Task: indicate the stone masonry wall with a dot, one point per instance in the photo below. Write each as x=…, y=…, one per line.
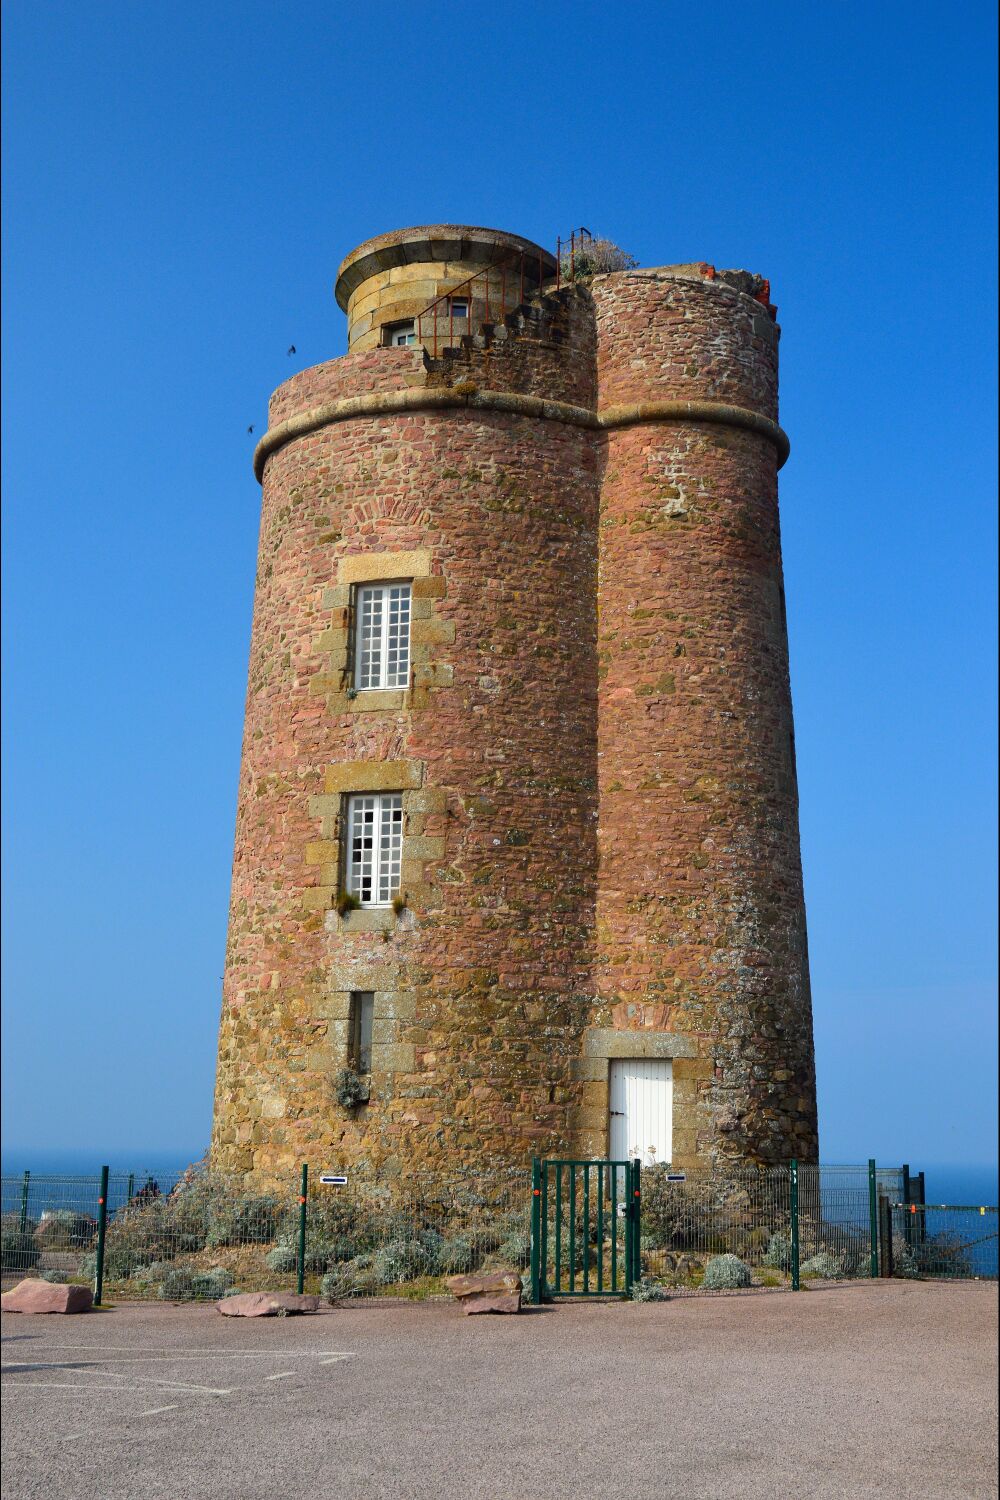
x=595, y=754
x=701, y=922
x=482, y=982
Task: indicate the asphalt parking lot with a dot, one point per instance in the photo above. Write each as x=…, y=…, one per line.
x=881, y=1389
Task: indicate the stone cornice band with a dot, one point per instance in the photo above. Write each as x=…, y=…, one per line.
x=432, y=398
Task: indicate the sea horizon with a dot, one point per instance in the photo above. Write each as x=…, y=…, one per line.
x=960, y=1183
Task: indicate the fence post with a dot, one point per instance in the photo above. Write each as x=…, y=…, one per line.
x=907, y=1223
x=885, y=1229
x=131, y=1186
x=873, y=1214
x=102, y=1229
x=303, y=1210
x=921, y=1198
x=793, y=1179
x=633, y=1220
x=23, y=1226
x=536, y=1231
x=637, y=1199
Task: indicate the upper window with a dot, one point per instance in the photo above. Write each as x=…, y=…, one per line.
x=401, y=334
x=458, y=307
x=374, y=846
x=382, y=628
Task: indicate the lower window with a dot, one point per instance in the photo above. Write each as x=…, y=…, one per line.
x=359, y=1048
x=374, y=846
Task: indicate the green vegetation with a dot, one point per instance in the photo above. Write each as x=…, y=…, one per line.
x=726, y=1273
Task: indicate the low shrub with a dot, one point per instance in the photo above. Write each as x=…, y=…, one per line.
x=824, y=1265
x=726, y=1273
x=57, y=1278
x=515, y=1250
x=596, y=256
x=445, y=1256
x=283, y=1257
x=779, y=1252
x=121, y=1262
x=246, y=1220
x=400, y=1260
x=134, y=1238
x=648, y=1290
x=18, y=1251
x=352, y=1278
x=184, y=1284
x=150, y=1274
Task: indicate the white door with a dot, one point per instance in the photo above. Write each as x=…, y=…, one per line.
x=642, y=1109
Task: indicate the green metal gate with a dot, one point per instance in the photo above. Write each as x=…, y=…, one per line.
x=584, y=1228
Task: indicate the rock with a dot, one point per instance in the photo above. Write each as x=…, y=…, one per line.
x=267, y=1305
x=32, y=1296
x=488, y=1292
x=492, y=1302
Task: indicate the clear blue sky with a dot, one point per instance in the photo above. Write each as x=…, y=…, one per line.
x=181, y=183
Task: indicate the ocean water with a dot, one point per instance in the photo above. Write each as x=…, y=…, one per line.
x=964, y=1185
x=89, y=1163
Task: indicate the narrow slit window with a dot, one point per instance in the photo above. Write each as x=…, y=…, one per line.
x=382, y=632
x=374, y=846
x=360, y=1043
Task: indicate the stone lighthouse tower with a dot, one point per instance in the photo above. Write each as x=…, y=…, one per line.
x=517, y=860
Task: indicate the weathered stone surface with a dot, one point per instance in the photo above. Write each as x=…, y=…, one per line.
x=602, y=840
x=487, y=1292
x=267, y=1305
x=31, y=1296
x=484, y=1281
x=492, y=1302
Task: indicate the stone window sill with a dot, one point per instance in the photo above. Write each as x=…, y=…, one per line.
x=378, y=700
x=369, y=919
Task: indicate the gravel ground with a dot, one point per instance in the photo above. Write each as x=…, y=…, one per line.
x=875, y=1389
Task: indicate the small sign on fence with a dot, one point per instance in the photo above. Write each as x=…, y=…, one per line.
x=677, y=1177
x=332, y=1179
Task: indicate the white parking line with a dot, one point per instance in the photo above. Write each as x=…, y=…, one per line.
x=157, y=1380
x=155, y=1410
x=321, y=1355
x=51, y=1385
x=71, y=1437
x=324, y=1356
x=283, y=1376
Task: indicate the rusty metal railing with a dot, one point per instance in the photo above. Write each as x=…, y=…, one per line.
x=577, y=239
x=481, y=288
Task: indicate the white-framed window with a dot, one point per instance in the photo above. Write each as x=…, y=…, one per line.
x=402, y=334
x=382, y=635
x=374, y=846
x=458, y=307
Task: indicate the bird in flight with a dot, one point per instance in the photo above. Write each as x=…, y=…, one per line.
x=250, y=428
x=291, y=348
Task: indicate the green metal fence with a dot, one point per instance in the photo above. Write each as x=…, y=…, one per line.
x=940, y=1241
x=201, y=1235
x=584, y=1235
x=208, y=1235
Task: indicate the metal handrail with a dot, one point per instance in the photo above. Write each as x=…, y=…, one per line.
x=577, y=239
x=511, y=262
